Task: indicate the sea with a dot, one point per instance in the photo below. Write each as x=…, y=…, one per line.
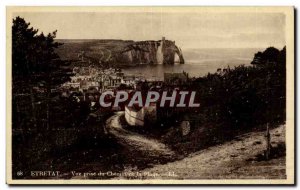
x=198, y=62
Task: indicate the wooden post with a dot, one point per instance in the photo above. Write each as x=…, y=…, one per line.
x=267, y=135
x=268, y=143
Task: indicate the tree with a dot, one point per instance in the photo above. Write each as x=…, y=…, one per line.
x=270, y=55
x=35, y=64
x=246, y=96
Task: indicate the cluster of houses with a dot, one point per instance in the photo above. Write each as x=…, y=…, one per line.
x=89, y=78
x=89, y=83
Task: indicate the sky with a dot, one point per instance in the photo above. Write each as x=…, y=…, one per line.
x=188, y=30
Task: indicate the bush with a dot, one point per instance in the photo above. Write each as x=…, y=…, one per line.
x=246, y=95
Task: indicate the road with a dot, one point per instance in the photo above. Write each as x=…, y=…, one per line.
x=236, y=159
x=135, y=141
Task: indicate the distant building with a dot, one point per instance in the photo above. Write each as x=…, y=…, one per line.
x=114, y=81
x=134, y=116
x=110, y=82
x=72, y=85
x=129, y=80
x=139, y=116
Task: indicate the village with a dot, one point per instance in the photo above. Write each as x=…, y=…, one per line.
x=94, y=85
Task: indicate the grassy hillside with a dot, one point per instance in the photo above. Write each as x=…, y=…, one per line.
x=93, y=51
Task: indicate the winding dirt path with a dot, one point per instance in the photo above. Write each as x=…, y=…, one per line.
x=150, y=146
x=236, y=159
